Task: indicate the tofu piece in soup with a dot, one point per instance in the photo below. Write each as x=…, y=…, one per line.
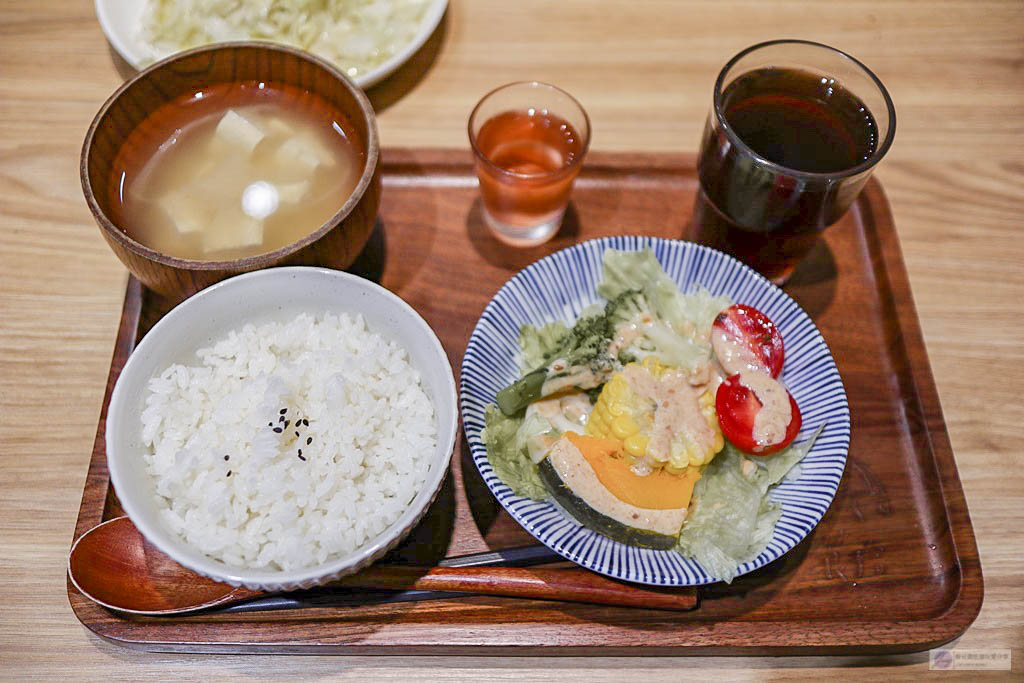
x=230, y=228
x=237, y=131
x=187, y=216
x=293, y=193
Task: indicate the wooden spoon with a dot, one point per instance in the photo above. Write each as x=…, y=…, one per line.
x=113, y=565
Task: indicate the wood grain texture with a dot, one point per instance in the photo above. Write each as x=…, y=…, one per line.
x=114, y=565
x=892, y=567
x=644, y=71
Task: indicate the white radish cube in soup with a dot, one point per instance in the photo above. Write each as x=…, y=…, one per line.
x=277, y=126
x=238, y=131
x=293, y=193
x=187, y=216
x=230, y=228
x=322, y=151
x=297, y=155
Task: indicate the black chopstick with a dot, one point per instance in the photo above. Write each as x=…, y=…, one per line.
x=523, y=556
x=342, y=596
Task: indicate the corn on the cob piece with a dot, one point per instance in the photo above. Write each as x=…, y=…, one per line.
x=629, y=417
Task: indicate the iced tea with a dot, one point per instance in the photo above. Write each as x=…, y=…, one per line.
x=527, y=159
x=785, y=152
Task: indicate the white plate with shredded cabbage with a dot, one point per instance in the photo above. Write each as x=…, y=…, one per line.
x=366, y=39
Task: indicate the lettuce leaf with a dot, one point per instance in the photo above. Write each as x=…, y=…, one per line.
x=775, y=468
x=622, y=270
x=690, y=313
x=508, y=455
x=536, y=342
x=535, y=435
x=732, y=518
x=701, y=308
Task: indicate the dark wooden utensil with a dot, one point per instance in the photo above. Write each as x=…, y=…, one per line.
x=115, y=566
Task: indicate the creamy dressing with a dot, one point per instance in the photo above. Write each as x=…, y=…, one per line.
x=776, y=412
x=676, y=410
x=566, y=413
x=702, y=374
x=733, y=355
x=581, y=377
x=625, y=335
x=538, y=445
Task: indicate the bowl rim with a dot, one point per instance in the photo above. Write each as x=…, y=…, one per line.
x=366, y=554
x=256, y=260
x=431, y=19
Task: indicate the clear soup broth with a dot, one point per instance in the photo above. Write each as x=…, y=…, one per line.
x=234, y=170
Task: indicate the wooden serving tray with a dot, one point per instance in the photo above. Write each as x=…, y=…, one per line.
x=893, y=566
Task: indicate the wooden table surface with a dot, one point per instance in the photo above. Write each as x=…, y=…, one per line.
x=644, y=70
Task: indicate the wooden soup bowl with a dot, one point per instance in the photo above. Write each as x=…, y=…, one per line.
x=334, y=244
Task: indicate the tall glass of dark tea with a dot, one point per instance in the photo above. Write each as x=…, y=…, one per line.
x=794, y=133
x=528, y=141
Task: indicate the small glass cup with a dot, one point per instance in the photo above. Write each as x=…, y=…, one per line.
x=528, y=141
x=795, y=131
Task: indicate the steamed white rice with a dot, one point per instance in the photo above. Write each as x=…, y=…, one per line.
x=364, y=452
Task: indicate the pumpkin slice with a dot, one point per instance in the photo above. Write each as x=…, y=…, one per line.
x=659, y=490
x=574, y=484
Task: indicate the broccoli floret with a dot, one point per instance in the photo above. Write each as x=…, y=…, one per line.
x=631, y=307
x=579, y=359
x=587, y=339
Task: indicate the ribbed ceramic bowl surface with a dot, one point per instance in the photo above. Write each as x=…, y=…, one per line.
x=558, y=287
x=262, y=296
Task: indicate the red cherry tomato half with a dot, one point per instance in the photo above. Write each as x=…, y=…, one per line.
x=742, y=329
x=737, y=406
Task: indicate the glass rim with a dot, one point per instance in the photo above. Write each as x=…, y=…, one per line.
x=529, y=176
x=863, y=166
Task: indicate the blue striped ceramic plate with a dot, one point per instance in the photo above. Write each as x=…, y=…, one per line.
x=558, y=287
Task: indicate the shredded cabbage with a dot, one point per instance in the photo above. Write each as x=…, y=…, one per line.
x=356, y=35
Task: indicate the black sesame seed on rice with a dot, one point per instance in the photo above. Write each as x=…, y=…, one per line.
x=302, y=458
x=227, y=457
x=284, y=410
x=229, y=473
x=278, y=430
x=309, y=440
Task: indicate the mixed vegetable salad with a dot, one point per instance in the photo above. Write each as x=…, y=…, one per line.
x=657, y=419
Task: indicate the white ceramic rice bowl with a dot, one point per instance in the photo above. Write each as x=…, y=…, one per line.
x=257, y=297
